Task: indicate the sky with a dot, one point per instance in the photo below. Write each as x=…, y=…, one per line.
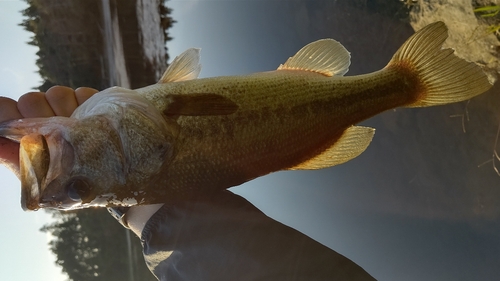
x=25, y=254
x=414, y=206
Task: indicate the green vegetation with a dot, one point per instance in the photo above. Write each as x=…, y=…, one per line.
x=489, y=15
x=90, y=244
x=487, y=11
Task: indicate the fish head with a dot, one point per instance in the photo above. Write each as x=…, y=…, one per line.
x=59, y=168
x=102, y=159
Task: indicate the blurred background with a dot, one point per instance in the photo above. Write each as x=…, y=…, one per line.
x=422, y=203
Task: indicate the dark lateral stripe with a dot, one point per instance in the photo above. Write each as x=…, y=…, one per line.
x=199, y=104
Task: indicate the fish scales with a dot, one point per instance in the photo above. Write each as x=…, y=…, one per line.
x=283, y=119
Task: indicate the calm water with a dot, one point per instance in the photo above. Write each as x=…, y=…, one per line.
x=423, y=202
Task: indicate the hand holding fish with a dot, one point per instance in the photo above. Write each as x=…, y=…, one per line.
x=186, y=136
x=57, y=101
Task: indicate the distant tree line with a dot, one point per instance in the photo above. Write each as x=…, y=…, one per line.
x=69, y=35
x=90, y=244
x=69, y=41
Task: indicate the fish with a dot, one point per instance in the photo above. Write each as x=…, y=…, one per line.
x=189, y=136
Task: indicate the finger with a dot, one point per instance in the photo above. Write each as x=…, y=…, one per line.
x=84, y=93
x=8, y=109
x=9, y=155
x=34, y=105
x=62, y=100
x=9, y=150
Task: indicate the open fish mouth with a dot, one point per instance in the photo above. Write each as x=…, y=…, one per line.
x=34, y=162
x=41, y=161
x=45, y=183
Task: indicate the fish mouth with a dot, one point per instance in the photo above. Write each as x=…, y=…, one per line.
x=44, y=164
x=34, y=161
x=44, y=154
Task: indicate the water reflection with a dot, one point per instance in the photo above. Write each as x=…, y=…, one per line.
x=418, y=204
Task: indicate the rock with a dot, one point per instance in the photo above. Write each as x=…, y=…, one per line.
x=467, y=35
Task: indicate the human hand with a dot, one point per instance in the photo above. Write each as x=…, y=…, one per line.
x=57, y=101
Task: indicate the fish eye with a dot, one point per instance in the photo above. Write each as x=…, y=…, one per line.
x=78, y=190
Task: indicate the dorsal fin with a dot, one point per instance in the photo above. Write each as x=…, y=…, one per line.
x=350, y=145
x=325, y=56
x=185, y=66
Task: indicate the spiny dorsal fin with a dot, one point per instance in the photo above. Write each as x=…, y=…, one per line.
x=185, y=66
x=351, y=144
x=325, y=56
x=199, y=104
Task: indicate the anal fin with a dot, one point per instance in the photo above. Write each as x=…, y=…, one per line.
x=351, y=144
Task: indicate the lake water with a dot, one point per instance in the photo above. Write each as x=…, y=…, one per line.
x=423, y=202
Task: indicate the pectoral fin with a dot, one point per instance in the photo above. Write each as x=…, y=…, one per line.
x=184, y=67
x=326, y=56
x=351, y=144
x=199, y=104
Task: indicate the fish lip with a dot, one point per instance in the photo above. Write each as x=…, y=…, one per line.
x=34, y=160
x=28, y=202
x=44, y=154
x=30, y=198
x=42, y=162
x=53, y=204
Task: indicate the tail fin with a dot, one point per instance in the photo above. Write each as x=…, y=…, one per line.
x=444, y=77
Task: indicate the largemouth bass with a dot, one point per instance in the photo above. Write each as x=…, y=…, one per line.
x=186, y=136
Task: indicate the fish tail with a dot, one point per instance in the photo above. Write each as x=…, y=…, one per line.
x=441, y=77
